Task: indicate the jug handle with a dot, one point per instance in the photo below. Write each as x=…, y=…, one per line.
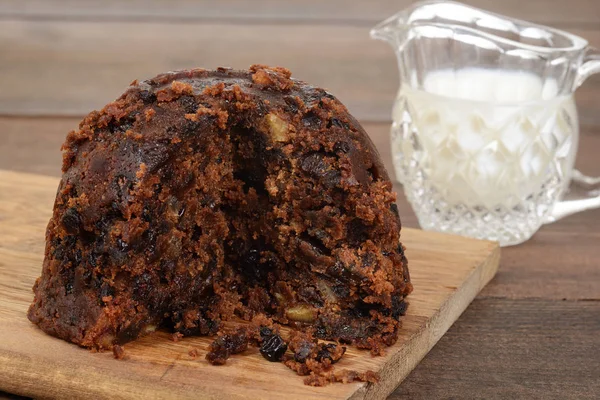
x=584, y=190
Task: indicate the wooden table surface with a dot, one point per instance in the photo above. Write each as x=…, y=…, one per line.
x=534, y=331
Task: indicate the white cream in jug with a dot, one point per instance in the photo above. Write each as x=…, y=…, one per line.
x=486, y=137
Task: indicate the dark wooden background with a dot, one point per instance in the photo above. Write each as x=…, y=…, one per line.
x=534, y=332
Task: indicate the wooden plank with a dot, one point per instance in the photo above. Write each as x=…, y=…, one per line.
x=86, y=65
x=91, y=64
x=447, y=271
x=33, y=144
x=561, y=13
x=560, y=261
x=513, y=349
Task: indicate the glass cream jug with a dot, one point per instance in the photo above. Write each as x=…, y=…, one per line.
x=485, y=129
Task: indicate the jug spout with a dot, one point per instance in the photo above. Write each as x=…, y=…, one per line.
x=393, y=30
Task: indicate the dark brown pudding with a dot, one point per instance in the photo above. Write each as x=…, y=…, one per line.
x=199, y=195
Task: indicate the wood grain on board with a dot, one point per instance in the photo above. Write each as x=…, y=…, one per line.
x=448, y=272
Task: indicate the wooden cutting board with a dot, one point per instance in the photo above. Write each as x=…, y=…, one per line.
x=447, y=273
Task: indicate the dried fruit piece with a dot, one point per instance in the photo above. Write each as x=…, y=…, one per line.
x=71, y=221
x=278, y=128
x=301, y=313
x=226, y=345
x=326, y=291
x=305, y=348
x=265, y=332
x=330, y=351
x=303, y=351
x=273, y=347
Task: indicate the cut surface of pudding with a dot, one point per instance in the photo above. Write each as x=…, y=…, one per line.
x=199, y=195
